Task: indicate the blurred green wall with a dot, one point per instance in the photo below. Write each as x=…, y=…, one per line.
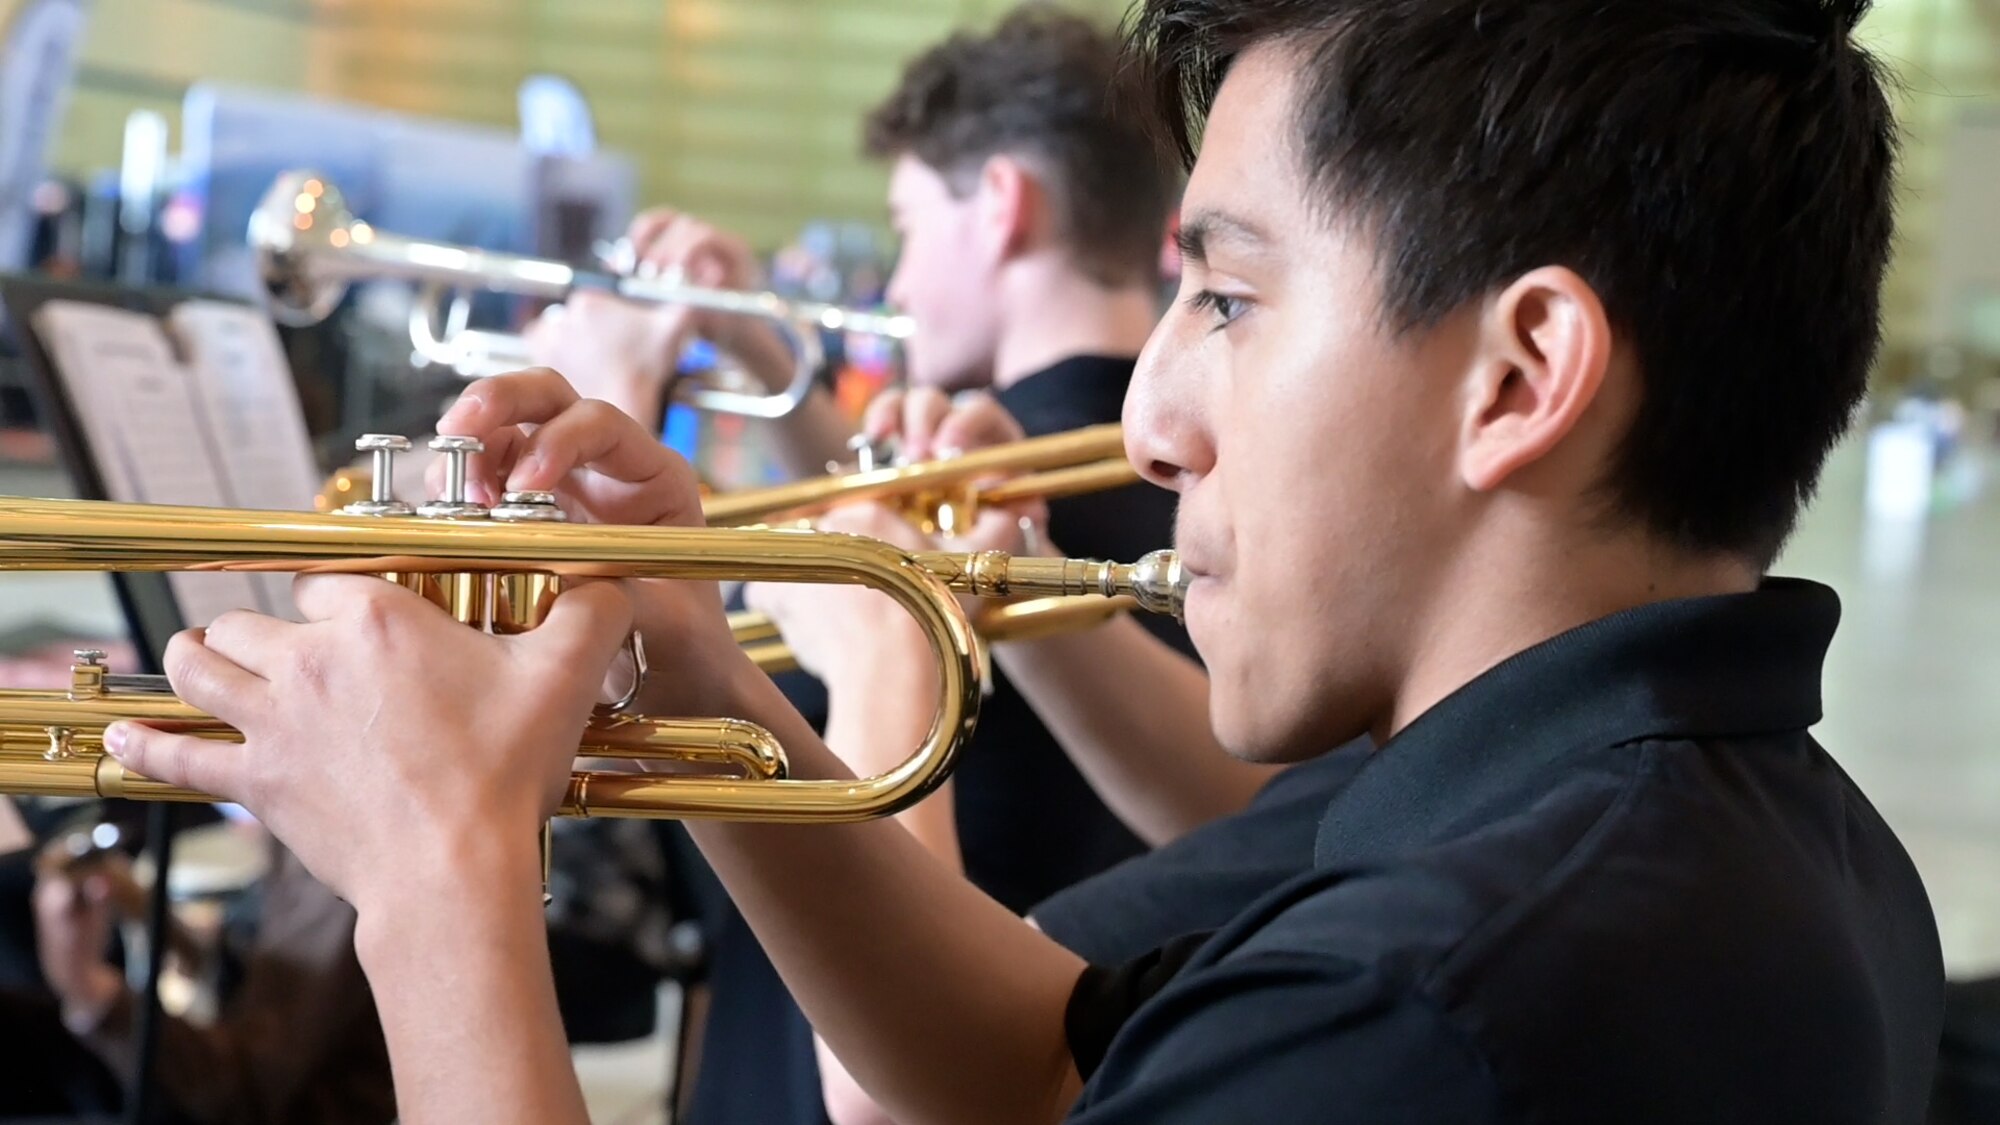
x=747, y=110
x=744, y=110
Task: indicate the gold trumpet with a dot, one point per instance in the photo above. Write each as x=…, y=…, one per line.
x=939, y=496
x=944, y=496
x=936, y=496
x=1016, y=621
x=310, y=247
x=500, y=570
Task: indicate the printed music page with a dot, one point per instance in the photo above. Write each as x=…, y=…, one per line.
x=140, y=412
x=244, y=385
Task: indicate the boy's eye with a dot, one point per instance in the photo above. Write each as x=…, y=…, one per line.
x=1223, y=307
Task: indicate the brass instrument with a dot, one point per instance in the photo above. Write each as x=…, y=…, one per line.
x=310, y=247
x=936, y=496
x=500, y=569
x=939, y=496
x=1013, y=621
x=943, y=496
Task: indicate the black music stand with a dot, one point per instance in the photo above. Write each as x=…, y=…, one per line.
x=151, y=612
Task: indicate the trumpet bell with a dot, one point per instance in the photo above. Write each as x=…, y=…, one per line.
x=296, y=232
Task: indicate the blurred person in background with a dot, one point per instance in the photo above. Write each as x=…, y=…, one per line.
x=295, y=1040
x=1031, y=220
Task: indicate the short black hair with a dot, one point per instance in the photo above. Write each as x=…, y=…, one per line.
x=1040, y=85
x=1720, y=171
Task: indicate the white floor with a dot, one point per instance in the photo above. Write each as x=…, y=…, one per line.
x=624, y=1083
x=1913, y=711
x=1913, y=686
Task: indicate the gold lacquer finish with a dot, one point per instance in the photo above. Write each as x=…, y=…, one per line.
x=940, y=496
x=1028, y=620
x=1081, y=461
x=51, y=742
x=1044, y=468
x=1068, y=464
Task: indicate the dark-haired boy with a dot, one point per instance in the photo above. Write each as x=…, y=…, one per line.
x=1516, y=333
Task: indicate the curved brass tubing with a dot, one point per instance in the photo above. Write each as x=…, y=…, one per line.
x=310, y=248
x=51, y=742
x=1066, y=464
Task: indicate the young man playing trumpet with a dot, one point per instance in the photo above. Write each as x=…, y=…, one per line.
x=1129, y=712
x=1031, y=219
x=1515, y=334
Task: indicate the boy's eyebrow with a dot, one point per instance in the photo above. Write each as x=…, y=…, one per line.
x=1211, y=227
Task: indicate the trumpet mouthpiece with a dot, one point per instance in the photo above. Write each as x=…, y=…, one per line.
x=1158, y=582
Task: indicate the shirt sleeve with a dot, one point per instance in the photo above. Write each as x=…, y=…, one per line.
x=1105, y=998
x=1286, y=1037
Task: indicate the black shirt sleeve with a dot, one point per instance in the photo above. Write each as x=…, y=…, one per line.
x=1273, y=1036
x=1105, y=998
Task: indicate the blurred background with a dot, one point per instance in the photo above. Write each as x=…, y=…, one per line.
x=745, y=110
x=541, y=126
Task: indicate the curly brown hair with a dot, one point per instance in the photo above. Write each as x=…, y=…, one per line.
x=1041, y=87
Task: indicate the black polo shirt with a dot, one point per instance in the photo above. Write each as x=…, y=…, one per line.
x=1197, y=883
x=1028, y=823
x=1614, y=879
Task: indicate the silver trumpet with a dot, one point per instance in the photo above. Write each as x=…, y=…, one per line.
x=310, y=247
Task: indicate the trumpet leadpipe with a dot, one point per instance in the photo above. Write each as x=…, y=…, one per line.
x=1056, y=596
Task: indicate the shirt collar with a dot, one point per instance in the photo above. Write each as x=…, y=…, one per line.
x=1099, y=382
x=1734, y=665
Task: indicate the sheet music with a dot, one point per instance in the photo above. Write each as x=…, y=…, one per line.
x=241, y=373
x=162, y=432
x=245, y=387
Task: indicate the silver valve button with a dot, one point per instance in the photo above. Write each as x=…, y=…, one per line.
x=453, y=504
x=529, y=507
x=869, y=454
x=381, y=501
